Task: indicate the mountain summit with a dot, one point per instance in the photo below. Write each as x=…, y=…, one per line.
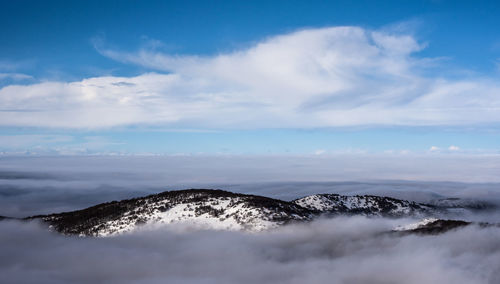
x=212, y=209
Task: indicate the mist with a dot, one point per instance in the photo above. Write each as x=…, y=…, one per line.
x=42, y=185
x=339, y=250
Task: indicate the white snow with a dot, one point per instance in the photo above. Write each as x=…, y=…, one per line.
x=416, y=225
x=372, y=204
x=235, y=215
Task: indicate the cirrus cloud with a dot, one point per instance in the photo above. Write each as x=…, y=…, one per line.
x=326, y=77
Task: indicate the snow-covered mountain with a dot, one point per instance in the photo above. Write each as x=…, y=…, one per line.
x=213, y=209
x=364, y=204
x=433, y=226
x=223, y=210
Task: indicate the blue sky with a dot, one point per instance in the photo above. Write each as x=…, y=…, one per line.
x=250, y=77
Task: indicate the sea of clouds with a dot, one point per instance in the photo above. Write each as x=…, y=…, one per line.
x=339, y=250
x=41, y=185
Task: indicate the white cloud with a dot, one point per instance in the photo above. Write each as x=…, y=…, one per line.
x=319, y=152
x=340, y=76
x=335, y=250
x=453, y=148
x=434, y=149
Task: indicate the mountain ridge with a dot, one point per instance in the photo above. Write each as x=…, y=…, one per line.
x=225, y=210
x=201, y=206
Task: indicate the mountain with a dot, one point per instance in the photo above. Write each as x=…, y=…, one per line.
x=223, y=210
x=368, y=205
x=433, y=226
x=214, y=209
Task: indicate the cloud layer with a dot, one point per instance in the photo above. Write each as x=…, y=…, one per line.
x=339, y=76
x=341, y=250
x=43, y=185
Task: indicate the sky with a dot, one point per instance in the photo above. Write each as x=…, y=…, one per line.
x=106, y=100
x=249, y=77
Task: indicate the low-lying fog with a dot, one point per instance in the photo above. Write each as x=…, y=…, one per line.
x=339, y=250
x=41, y=185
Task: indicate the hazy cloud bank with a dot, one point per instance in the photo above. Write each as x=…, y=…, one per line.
x=36, y=185
x=342, y=250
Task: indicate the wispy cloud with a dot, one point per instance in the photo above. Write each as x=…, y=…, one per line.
x=31, y=140
x=15, y=76
x=12, y=66
x=340, y=76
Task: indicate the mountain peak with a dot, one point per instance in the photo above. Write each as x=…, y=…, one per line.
x=215, y=209
x=363, y=204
